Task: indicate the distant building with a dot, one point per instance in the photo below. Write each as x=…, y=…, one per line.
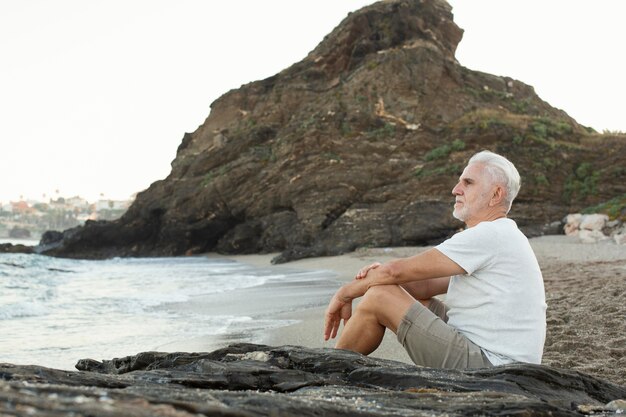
x=77, y=203
x=21, y=207
x=58, y=204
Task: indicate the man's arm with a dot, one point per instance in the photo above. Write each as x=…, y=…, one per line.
x=424, y=266
x=428, y=288
x=420, y=290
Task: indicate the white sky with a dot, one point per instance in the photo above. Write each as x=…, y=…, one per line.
x=95, y=96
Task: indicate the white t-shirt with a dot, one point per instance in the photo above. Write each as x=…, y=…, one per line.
x=500, y=304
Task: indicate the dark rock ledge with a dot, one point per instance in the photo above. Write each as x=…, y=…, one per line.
x=19, y=248
x=258, y=380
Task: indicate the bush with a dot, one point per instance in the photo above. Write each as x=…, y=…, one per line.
x=615, y=208
x=582, y=183
x=444, y=150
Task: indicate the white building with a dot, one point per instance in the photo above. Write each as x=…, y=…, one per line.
x=77, y=203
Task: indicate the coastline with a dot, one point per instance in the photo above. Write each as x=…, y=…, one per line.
x=585, y=285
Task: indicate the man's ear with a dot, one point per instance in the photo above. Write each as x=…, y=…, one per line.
x=497, y=196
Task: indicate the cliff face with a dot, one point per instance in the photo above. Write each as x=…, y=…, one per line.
x=358, y=144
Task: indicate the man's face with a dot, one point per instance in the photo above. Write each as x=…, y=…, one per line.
x=472, y=193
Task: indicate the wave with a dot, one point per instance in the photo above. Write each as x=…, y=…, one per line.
x=21, y=310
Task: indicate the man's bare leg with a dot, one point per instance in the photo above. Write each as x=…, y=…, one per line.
x=382, y=307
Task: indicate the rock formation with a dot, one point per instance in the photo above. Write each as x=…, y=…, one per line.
x=19, y=248
x=358, y=144
x=258, y=380
x=593, y=228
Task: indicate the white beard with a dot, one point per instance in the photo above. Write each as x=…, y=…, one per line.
x=461, y=213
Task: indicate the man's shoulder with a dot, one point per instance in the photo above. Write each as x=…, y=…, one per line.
x=502, y=225
x=487, y=233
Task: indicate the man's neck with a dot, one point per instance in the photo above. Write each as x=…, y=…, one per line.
x=488, y=218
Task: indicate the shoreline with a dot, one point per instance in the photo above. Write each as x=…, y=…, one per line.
x=579, y=277
x=309, y=322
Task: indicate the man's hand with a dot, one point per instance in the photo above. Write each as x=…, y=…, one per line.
x=338, y=308
x=363, y=272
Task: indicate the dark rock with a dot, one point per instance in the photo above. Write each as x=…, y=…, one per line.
x=359, y=144
x=50, y=240
x=11, y=248
x=51, y=236
x=258, y=380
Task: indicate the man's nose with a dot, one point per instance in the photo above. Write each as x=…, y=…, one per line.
x=456, y=190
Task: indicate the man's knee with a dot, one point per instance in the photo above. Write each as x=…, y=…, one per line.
x=388, y=303
x=381, y=297
x=380, y=293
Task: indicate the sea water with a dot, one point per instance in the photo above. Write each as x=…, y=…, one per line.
x=55, y=311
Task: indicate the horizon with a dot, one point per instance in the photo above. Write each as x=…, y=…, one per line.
x=96, y=101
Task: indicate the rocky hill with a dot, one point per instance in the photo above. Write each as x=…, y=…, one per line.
x=359, y=144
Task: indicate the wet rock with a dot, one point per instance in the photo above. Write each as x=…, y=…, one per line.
x=11, y=248
x=50, y=237
x=50, y=240
x=259, y=380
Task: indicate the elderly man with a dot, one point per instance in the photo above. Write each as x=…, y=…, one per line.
x=494, y=311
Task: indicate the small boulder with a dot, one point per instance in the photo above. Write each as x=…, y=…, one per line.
x=572, y=223
x=593, y=222
x=591, y=236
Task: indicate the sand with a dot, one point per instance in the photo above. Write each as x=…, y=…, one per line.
x=585, y=291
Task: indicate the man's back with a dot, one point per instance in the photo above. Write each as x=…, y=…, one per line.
x=500, y=304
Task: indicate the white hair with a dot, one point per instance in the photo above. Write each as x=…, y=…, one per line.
x=502, y=171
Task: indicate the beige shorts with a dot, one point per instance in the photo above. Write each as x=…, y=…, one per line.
x=431, y=342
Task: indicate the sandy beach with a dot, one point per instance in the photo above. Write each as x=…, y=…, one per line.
x=585, y=291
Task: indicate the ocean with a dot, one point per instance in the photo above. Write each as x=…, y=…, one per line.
x=55, y=311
